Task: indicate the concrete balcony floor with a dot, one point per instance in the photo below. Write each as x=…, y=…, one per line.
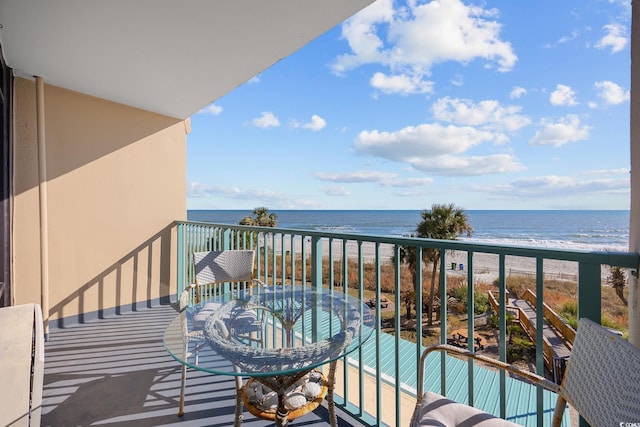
x=116, y=372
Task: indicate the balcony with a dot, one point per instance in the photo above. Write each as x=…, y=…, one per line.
x=115, y=371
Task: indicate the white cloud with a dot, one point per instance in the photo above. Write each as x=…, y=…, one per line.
x=423, y=141
x=437, y=149
x=609, y=172
x=356, y=177
x=316, y=123
x=457, y=80
x=564, y=39
x=614, y=39
x=469, y=166
x=567, y=129
x=411, y=40
x=401, y=84
x=385, y=179
x=517, y=92
x=563, y=186
x=409, y=182
x=488, y=113
x=563, y=96
x=588, y=189
x=360, y=33
x=574, y=35
x=611, y=93
x=337, y=191
x=266, y=120
x=212, y=109
x=414, y=193
x=195, y=189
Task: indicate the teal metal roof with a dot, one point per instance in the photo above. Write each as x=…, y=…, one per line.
x=521, y=401
x=521, y=396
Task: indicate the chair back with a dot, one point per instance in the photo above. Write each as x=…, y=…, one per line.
x=602, y=379
x=223, y=266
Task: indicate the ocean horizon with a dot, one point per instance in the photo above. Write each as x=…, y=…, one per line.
x=566, y=229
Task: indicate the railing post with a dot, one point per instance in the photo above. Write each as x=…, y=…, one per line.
x=634, y=143
x=502, y=342
x=589, y=291
x=540, y=334
x=316, y=262
x=470, y=324
x=418, y=290
x=443, y=322
x=316, y=280
x=226, y=245
x=180, y=260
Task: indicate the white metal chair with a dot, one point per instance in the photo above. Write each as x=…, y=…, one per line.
x=601, y=382
x=236, y=266
x=213, y=268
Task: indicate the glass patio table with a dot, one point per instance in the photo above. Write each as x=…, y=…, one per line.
x=279, y=336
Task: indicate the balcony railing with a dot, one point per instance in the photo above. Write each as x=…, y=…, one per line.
x=377, y=384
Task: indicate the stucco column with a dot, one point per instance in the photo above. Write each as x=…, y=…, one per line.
x=42, y=193
x=634, y=225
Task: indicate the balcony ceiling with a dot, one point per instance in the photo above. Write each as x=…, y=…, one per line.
x=171, y=57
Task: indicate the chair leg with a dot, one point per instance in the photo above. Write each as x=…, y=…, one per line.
x=333, y=419
x=558, y=412
x=183, y=380
x=239, y=405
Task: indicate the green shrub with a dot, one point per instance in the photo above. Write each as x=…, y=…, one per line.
x=522, y=342
x=494, y=322
x=608, y=322
x=480, y=299
x=480, y=303
x=569, y=312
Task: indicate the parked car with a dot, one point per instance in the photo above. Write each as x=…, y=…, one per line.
x=384, y=302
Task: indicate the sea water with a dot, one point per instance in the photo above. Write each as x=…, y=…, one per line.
x=569, y=229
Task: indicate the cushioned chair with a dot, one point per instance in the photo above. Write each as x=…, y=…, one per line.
x=601, y=382
x=212, y=269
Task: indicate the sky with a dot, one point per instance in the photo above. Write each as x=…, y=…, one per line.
x=484, y=104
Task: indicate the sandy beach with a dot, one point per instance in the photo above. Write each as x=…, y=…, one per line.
x=485, y=266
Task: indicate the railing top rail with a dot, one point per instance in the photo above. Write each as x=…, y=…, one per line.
x=621, y=259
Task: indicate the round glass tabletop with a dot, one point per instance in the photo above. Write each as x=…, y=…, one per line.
x=274, y=331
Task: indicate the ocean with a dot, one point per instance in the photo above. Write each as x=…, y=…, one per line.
x=567, y=229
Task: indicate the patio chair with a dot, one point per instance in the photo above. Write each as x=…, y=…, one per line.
x=601, y=382
x=214, y=268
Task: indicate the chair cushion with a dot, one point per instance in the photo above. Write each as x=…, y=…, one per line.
x=436, y=410
x=244, y=317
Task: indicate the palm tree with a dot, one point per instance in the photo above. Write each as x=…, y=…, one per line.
x=261, y=217
x=443, y=222
x=409, y=299
x=408, y=256
x=617, y=281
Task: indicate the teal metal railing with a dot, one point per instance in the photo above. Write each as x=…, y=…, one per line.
x=387, y=361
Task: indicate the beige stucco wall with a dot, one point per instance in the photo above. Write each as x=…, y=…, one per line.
x=115, y=182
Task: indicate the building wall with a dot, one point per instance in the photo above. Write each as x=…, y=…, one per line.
x=115, y=183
